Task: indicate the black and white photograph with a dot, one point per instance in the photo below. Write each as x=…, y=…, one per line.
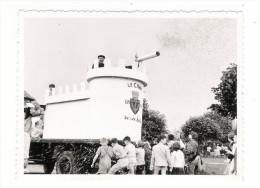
x=137, y=96
x=129, y=94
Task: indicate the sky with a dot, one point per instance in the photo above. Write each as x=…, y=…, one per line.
x=194, y=52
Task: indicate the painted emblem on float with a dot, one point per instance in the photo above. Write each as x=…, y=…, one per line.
x=134, y=102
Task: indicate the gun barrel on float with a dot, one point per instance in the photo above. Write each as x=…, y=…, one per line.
x=146, y=57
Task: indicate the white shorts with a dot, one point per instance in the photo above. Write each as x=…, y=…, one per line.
x=121, y=163
x=131, y=162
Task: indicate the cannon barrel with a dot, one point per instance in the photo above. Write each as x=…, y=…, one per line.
x=149, y=56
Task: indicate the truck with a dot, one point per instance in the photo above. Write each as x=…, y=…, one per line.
x=75, y=120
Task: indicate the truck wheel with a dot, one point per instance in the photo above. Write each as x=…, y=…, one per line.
x=66, y=163
x=48, y=167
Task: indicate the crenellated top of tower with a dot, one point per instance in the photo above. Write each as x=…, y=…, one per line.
x=122, y=69
x=67, y=93
x=78, y=91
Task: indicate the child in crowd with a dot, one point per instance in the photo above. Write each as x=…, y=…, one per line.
x=37, y=130
x=140, y=153
x=177, y=157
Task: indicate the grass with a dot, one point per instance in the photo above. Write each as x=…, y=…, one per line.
x=214, y=165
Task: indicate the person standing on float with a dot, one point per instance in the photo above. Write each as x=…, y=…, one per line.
x=101, y=59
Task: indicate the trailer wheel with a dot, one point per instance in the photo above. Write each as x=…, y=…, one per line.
x=66, y=163
x=48, y=167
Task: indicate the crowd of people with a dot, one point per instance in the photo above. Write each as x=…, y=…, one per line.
x=168, y=156
x=214, y=150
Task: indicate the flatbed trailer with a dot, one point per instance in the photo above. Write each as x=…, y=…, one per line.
x=71, y=156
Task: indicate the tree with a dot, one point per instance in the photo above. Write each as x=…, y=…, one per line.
x=205, y=128
x=210, y=126
x=154, y=123
x=226, y=93
x=224, y=124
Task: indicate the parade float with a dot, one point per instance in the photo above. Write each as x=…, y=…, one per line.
x=76, y=117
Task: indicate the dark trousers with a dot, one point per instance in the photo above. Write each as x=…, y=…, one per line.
x=147, y=169
x=139, y=169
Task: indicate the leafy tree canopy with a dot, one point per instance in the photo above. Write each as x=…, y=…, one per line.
x=210, y=126
x=154, y=123
x=226, y=93
x=224, y=124
x=205, y=127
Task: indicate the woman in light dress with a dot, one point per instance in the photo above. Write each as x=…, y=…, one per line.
x=104, y=153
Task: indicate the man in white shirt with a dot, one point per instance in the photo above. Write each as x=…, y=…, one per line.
x=120, y=154
x=161, y=157
x=131, y=154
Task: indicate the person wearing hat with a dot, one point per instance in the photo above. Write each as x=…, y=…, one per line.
x=101, y=59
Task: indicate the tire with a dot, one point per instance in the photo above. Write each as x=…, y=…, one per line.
x=66, y=163
x=48, y=167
